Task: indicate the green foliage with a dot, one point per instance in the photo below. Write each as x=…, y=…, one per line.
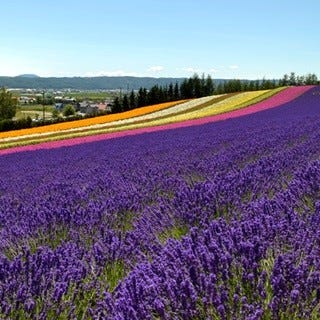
x=45, y=100
x=132, y=100
x=51, y=237
x=82, y=296
x=296, y=80
x=90, y=95
x=69, y=110
x=116, y=108
x=124, y=221
x=8, y=104
x=189, y=88
x=175, y=232
x=125, y=103
x=6, y=125
x=23, y=123
x=9, y=124
x=35, y=107
x=142, y=97
x=55, y=113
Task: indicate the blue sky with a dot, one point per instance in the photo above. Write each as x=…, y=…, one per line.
x=160, y=38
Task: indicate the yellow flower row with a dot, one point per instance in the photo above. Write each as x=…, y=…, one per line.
x=226, y=105
x=90, y=121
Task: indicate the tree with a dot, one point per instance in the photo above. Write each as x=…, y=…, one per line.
x=292, y=79
x=220, y=88
x=69, y=110
x=266, y=84
x=251, y=86
x=209, y=86
x=257, y=85
x=196, y=86
x=132, y=100
x=170, y=92
x=233, y=85
x=125, y=103
x=311, y=78
x=55, y=113
x=245, y=86
x=285, y=80
x=116, y=106
x=142, y=97
x=8, y=104
x=153, y=95
x=176, y=92
x=186, y=89
x=23, y=123
x=163, y=94
x=300, y=80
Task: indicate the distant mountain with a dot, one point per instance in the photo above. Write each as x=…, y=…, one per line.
x=85, y=83
x=28, y=75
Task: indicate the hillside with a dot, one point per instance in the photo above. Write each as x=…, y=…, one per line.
x=85, y=83
x=27, y=81
x=210, y=218
x=154, y=117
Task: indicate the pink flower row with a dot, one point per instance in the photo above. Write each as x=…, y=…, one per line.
x=281, y=98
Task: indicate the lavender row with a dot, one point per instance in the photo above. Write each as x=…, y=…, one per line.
x=218, y=220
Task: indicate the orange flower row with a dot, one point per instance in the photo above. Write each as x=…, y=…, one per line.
x=90, y=121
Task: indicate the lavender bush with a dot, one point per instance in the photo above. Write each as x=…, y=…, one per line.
x=218, y=221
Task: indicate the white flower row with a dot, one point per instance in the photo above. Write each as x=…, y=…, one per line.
x=165, y=112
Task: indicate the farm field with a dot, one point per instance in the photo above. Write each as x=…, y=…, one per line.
x=151, y=116
x=88, y=122
x=209, y=218
x=33, y=111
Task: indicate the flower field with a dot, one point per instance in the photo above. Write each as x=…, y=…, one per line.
x=161, y=114
x=208, y=220
x=270, y=99
x=90, y=121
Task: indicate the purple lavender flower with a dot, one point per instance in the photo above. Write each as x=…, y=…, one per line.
x=213, y=220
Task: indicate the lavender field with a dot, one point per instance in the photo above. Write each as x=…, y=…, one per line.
x=215, y=221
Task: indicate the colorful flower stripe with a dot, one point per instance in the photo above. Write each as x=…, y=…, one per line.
x=195, y=106
x=148, y=116
x=217, y=108
x=90, y=121
x=282, y=97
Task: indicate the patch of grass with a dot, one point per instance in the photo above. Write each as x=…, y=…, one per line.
x=192, y=178
x=124, y=221
x=175, y=232
x=51, y=238
x=75, y=303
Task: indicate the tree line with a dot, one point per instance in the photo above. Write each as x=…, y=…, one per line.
x=194, y=87
x=197, y=87
x=299, y=80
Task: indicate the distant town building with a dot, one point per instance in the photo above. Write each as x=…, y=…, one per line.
x=27, y=100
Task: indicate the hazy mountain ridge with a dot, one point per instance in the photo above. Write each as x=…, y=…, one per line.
x=124, y=83
x=85, y=83
x=28, y=75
